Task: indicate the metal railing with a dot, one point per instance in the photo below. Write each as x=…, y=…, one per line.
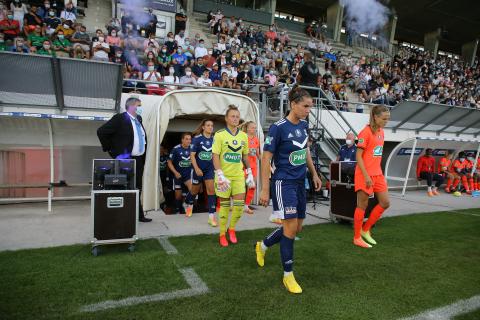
x=60, y=83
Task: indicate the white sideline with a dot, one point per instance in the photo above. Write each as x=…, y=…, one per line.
x=167, y=246
x=450, y=311
x=197, y=287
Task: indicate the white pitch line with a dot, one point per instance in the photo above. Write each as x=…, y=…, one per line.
x=197, y=287
x=450, y=311
x=167, y=245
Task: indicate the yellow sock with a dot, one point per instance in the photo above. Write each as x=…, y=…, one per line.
x=223, y=216
x=237, y=211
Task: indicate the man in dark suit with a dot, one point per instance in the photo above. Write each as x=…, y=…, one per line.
x=123, y=137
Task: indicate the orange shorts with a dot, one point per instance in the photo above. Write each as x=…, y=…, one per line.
x=379, y=184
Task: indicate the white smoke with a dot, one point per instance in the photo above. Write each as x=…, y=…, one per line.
x=136, y=9
x=365, y=16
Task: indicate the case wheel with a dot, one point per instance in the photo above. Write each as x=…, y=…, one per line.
x=95, y=251
x=131, y=247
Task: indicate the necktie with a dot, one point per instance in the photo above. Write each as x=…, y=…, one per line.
x=141, y=138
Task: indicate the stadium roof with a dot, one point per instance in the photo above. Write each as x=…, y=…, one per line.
x=459, y=19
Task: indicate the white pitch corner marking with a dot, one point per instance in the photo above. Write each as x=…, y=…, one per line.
x=450, y=311
x=167, y=245
x=197, y=287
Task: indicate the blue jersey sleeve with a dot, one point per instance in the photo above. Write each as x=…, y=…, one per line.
x=272, y=139
x=194, y=145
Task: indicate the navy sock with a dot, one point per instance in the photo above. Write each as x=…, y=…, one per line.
x=189, y=198
x=286, y=253
x=273, y=237
x=178, y=205
x=212, y=204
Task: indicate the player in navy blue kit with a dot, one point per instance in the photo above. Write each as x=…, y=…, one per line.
x=180, y=165
x=202, y=169
x=286, y=146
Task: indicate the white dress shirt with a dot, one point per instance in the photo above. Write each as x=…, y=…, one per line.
x=136, y=141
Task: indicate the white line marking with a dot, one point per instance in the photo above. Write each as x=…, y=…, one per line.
x=450, y=311
x=197, y=287
x=167, y=246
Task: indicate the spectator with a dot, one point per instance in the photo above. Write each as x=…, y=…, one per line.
x=180, y=38
x=271, y=78
x=179, y=60
x=189, y=50
x=200, y=50
x=62, y=45
x=10, y=27
x=271, y=34
x=113, y=40
x=3, y=46
x=113, y=24
x=199, y=68
x=151, y=44
x=180, y=21
x=36, y=38
x=68, y=13
x=171, y=78
x=20, y=46
x=31, y=20
x=66, y=28
x=309, y=75
x=170, y=43
x=188, y=78
x=44, y=9
x=118, y=57
x=152, y=75
x=19, y=10
x=100, y=49
x=215, y=75
x=151, y=28
x=225, y=81
x=164, y=60
x=81, y=43
x=204, y=80
x=284, y=38
x=46, y=49
x=52, y=22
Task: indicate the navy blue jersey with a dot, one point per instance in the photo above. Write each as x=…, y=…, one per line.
x=163, y=163
x=181, y=160
x=202, y=146
x=347, y=154
x=288, y=144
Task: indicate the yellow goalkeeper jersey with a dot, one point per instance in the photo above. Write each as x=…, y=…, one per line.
x=230, y=149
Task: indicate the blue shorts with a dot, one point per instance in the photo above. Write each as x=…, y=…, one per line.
x=180, y=183
x=208, y=174
x=289, y=198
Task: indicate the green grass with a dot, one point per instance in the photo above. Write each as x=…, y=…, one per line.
x=422, y=261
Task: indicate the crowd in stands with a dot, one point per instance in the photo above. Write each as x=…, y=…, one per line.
x=243, y=56
x=414, y=75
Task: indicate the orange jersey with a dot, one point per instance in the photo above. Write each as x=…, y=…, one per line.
x=253, y=147
x=457, y=166
x=444, y=165
x=372, y=145
x=478, y=164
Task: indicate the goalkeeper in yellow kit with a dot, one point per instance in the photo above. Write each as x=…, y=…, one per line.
x=230, y=157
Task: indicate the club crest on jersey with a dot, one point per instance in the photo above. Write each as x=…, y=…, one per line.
x=361, y=140
x=377, y=152
x=297, y=158
x=235, y=142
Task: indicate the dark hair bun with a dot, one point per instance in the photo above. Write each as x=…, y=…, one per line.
x=297, y=94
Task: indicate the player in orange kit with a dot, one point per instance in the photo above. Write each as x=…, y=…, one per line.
x=444, y=169
x=253, y=155
x=459, y=169
x=369, y=177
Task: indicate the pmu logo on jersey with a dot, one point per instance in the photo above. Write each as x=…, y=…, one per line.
x=299, y=157
x=185, y=162
x=377, y=152
x=205, y=156
x=232, y=157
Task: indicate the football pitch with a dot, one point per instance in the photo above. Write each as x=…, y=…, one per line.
x=422, y=262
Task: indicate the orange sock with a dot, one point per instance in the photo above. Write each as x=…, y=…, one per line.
x=374, y=216
x=357, y=222
x=465, y=183
x=455, y=183
x=472, y=185
x=449, y=183
x=249, y=196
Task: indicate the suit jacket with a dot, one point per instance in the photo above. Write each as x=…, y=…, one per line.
x=116, y=135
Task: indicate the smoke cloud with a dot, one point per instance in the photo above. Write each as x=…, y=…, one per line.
x=365, y=16
x=136, y=10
